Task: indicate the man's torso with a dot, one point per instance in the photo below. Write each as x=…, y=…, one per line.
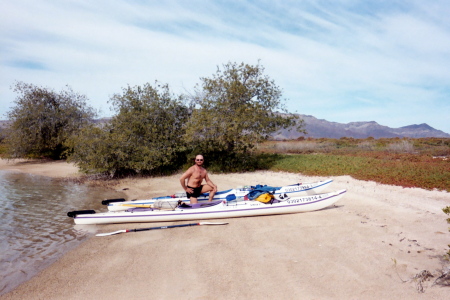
x=198, y=174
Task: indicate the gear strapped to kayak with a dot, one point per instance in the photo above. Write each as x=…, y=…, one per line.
x=265, y=198
x=262, y=193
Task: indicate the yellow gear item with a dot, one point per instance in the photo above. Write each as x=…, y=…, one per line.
x=264, y=198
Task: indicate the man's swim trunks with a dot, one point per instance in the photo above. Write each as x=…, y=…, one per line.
x=197, y=192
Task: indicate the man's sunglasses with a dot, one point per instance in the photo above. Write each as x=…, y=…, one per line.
x=199, y=160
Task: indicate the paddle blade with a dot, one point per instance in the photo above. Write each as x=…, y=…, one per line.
x=111, y=233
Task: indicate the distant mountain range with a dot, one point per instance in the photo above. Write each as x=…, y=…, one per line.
x=318, y=128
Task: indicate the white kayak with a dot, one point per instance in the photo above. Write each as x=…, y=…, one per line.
x=210, y=210
x=294, y=190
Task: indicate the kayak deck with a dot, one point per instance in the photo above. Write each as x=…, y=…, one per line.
x=284, y=192
x=213, y=210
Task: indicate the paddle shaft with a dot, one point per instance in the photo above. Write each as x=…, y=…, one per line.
x=161, y=227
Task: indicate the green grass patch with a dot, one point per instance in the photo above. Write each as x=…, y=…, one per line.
x=422, y=162
x=406, y=171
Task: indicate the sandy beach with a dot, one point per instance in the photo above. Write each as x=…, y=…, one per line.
x=370, y=245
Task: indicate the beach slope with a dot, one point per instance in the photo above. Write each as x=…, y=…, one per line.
x=370, y=245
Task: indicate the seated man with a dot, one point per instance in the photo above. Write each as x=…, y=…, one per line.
x=195, y=176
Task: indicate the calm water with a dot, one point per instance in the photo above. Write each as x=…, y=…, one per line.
x=35, y=230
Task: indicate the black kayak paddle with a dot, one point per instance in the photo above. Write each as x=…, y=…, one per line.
x=160, y=227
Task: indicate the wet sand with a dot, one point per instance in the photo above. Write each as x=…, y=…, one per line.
x=370, y=245
x=56, y=169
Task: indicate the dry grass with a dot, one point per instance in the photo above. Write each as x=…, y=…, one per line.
x=403, y=146
x=422, y=146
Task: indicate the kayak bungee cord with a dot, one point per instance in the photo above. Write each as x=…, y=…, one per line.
x=159, y=227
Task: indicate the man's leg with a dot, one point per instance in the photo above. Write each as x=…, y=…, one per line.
x=194, y=195
x=212, y=191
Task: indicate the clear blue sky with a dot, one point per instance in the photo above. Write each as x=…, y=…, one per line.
x=343, y=61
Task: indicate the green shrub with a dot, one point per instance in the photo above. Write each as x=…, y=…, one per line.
x=234, y=110
x=145, y=137
x=42, y=120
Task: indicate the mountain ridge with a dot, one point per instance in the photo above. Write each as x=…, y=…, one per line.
x=321, y=128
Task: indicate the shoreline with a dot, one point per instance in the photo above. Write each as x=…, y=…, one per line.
x=369, y=245
x=49, y=168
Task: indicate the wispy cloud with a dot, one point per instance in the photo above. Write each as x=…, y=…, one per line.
x=343, y=60
x=27, y=65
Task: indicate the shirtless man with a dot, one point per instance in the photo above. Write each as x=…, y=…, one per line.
x=195, y=176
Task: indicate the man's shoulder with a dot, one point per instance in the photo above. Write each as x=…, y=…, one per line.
x=197, y=168
x=190, y=170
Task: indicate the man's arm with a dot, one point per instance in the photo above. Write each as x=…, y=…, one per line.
x=183, y=178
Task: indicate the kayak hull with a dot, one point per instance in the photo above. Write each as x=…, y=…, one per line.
x=294, y=190
x=214, y=210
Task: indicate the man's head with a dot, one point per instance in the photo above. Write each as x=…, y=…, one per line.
x=199, y=160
